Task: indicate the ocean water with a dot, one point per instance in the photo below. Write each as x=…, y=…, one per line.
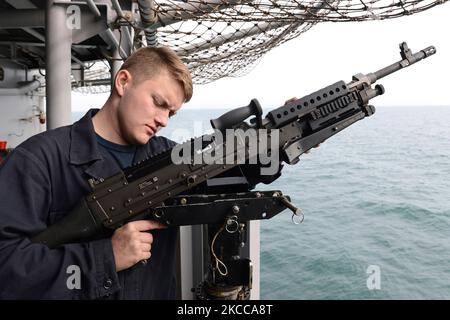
x=375, y=196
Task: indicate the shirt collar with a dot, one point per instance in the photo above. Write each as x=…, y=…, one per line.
x=83, y=143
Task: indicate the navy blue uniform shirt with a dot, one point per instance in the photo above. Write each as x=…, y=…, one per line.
x=40, y=182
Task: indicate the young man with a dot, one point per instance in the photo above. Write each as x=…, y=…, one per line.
x=46, y=176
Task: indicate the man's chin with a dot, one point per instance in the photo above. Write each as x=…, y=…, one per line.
x=140, y=141
x=144, y=141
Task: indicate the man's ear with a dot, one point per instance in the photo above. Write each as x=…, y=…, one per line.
x=122, y=82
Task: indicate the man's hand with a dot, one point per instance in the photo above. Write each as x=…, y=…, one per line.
x=292, y=100
x=132, y=244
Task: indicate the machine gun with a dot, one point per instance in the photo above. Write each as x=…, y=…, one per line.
x=179, y=187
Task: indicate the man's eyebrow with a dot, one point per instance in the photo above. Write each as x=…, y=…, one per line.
x=163, y=101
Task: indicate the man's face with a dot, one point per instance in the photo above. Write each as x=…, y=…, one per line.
x=145, y=107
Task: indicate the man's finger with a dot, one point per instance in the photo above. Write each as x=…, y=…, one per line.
x=146, y=237
x=146, y=247
x=144, y=225
x=309, y=150
x=291, y=100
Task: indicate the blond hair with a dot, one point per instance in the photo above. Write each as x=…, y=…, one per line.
x=147, y=62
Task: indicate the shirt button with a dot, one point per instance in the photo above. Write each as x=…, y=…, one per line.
x=107, y=284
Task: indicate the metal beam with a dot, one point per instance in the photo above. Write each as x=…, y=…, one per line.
x=41, y=44
x=39, y=36
x=115, y=65
x=34, y=33
x=107, y=35
x=25, y=4
x=21, y=4
x=58, y=66
x=126, y=30
x=148, y=19
x=15, y=19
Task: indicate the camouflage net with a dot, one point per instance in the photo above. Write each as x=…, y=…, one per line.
x=219, y=38
x=227, y=38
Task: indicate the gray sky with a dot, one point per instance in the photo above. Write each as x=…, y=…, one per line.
x=330, y=52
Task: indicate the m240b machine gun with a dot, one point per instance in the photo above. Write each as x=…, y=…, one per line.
x=176, y=189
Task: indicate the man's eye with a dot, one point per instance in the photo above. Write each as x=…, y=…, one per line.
x=157, y=102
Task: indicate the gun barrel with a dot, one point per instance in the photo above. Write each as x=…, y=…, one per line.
x=408, y=59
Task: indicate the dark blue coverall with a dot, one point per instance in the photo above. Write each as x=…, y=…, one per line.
x=40, y=182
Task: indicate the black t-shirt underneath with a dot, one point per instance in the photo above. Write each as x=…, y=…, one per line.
x=123, y=154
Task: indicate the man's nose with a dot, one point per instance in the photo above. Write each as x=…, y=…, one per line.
x=162, y=118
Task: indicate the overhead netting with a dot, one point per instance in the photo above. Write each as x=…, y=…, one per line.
x=219, y=38
x=227, y=38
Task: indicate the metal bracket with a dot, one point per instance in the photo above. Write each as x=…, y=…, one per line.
x=215, y=209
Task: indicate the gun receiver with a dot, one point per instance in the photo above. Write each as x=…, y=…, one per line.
x=149, y=187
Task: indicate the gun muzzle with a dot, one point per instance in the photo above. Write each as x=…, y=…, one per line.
x=429, y=51
x=408, y=59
